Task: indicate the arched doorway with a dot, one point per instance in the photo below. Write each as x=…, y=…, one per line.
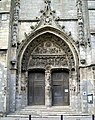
x=50, y=88
x=54, y=59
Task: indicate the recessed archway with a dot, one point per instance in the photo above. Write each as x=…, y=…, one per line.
x=48, y=51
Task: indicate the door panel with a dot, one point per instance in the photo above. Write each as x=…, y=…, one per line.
x=36, y=88
x=60, y=86
x=39, y=95
x=57, y=95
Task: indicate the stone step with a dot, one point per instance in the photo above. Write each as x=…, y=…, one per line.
x=44, y=112
x=47, y=109
x=25, y=115
x=50, y=109
x=44, y=107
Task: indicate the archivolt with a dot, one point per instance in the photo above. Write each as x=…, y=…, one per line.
x=40, y=36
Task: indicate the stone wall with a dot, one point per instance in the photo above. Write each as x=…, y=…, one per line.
x=3, y=80
x=91, y=9
x=91, y=77
x=66, y=11
x=4, y=38
x=4, y=30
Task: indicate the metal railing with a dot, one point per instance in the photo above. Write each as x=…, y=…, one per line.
x=93, y=117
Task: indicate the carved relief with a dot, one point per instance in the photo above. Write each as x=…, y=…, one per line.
x=48, y=54
x=48, y=60
x=47, y=49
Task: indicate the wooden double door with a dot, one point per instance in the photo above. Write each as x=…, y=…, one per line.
x=59, y=85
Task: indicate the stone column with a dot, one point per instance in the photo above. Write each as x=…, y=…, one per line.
x=48, y=91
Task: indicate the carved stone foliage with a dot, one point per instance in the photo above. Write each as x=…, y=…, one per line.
x=82, y=42
x=47, y=49
x=80, y=22
x=15, y=23
x=14, y=33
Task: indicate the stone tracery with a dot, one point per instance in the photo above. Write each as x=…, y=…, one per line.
x=47, y=49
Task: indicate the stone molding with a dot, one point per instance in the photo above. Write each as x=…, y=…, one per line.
x=82, y=42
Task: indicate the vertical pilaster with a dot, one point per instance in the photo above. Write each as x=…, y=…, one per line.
x=13, y=52
x=12, y=89
x=48, y=94
x=77, y=92
x=82, y=43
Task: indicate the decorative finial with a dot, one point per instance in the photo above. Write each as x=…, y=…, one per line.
x=48, y=2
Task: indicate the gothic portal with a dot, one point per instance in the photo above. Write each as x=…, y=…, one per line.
x=48, y=64
x=48, y=71
x=47, y=55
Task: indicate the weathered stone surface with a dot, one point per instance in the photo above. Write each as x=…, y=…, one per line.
x=5, y=5
x=3, y=82
x=36, y=34
x=4, y=31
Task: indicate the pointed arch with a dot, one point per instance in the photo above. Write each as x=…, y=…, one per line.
x=53, y=51
x=38, y=36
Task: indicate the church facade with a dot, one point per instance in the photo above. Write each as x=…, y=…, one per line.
x=47, y=55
